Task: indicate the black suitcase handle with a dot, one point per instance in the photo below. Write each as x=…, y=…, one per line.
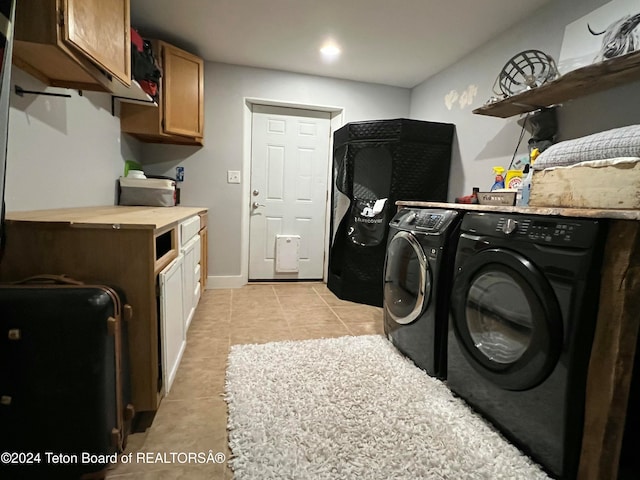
x=48, y=279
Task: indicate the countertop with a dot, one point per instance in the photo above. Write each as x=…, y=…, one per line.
x=111, y=216
x=562, y=212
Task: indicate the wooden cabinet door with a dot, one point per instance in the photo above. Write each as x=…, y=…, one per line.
x=183, y=92
x=101, y=30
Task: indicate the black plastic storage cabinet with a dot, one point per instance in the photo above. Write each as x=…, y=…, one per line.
x=375, y=164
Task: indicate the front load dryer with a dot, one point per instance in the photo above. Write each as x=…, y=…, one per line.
x=523, y=313
x=417, y=277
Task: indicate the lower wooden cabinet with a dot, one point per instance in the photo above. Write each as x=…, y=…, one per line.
x=102, y=244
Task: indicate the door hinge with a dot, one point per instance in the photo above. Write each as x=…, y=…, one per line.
x=61, y=17
x=162, y=124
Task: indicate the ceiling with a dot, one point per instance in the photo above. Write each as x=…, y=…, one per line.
x=391, y=42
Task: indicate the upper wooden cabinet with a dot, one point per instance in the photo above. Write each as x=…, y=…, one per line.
x=83, y=44
x=180, y=116
x=183, y=92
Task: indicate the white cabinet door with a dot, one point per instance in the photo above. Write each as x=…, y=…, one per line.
x=172, y=320
x=190, y=284
x=197, y=288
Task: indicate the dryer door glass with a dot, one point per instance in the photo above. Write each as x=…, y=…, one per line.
x=499, y=317
x=506, y=319
x=407, y=279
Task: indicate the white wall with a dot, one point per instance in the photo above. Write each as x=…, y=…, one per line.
x=226, y=87
x=483, y=142
x=63, y=152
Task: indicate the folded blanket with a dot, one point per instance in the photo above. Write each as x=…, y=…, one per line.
x=607, y=162
x=615, y=143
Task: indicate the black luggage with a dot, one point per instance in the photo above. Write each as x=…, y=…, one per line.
x=64, y=380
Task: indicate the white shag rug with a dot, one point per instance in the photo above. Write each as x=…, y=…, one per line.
x=354, y=408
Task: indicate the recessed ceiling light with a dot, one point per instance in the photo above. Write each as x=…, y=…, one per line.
x=330, y=50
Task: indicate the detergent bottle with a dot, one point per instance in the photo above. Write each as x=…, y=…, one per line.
x=513, y=179
x=523, y=199
x=499, y=181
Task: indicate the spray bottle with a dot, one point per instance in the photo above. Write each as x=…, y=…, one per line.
x=528, y=175
x=499, y=180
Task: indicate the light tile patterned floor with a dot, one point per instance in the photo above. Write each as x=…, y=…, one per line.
x=193, y=417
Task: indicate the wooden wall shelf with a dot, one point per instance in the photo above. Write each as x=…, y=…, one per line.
x=575, y=84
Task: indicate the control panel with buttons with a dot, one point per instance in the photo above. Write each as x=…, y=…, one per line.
x=429, y=221
x=424, y=220
x=556, y=232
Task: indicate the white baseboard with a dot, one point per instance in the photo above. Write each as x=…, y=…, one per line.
x=232, y=281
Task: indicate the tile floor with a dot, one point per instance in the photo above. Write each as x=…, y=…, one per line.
x=193, y=417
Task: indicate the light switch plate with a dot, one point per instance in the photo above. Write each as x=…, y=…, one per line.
x=233, y=176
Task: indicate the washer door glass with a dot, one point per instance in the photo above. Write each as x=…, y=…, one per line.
x=506, y=319
x=407, y=279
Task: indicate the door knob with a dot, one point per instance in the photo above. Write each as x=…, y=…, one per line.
x=256, y=205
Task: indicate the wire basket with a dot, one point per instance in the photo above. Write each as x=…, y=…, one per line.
x=524, y=71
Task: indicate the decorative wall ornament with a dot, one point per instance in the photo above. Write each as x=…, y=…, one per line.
x=584, y=42
x=464, y=99
x=620, y=38
x=524, y=71
x=450, y=98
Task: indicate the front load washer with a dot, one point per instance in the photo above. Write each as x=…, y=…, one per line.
x=523, y=313
x=417, y=275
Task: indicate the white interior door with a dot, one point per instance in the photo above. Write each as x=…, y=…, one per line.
x=289, y=170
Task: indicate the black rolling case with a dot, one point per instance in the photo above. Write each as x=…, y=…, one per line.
x=65, y=407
